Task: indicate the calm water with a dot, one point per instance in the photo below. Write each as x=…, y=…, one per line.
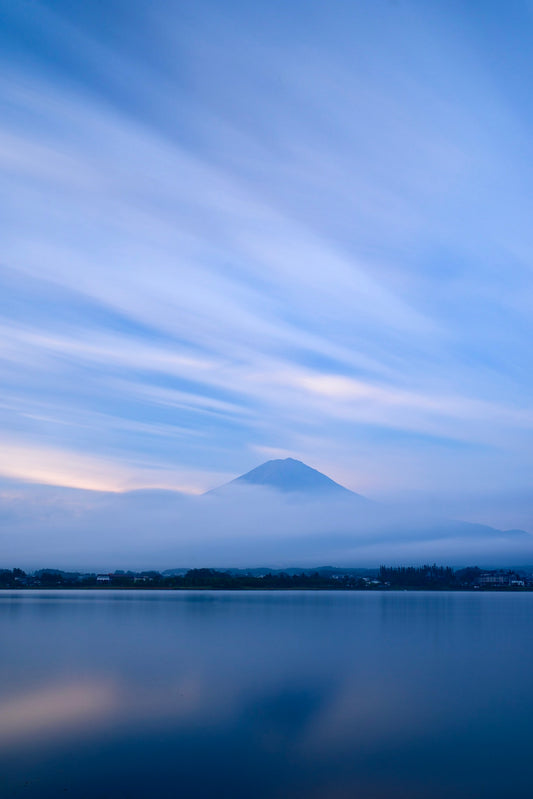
x=159, y=694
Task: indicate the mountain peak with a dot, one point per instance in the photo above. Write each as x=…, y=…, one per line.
x=290, y=475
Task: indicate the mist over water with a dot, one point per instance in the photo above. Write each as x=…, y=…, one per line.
x=245, y=526
x=292, y=694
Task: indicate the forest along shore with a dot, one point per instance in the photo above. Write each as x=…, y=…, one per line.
x=434, y=577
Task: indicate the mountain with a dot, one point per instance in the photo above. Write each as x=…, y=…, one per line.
x=291, y=476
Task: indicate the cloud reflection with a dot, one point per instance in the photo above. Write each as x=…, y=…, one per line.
x=53, y=711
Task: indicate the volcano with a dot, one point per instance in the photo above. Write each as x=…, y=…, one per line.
x=291, y=476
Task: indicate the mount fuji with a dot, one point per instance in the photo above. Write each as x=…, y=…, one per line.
x=291, y=476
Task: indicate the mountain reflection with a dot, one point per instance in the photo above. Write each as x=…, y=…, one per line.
x=298, y=694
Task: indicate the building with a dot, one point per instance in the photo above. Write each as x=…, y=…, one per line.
x=498, y=578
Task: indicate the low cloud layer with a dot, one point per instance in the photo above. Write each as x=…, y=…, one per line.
x=239, y=526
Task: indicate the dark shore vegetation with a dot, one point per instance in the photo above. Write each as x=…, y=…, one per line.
x=399, y=577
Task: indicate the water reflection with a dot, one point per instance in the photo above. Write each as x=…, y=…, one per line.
x=53, y=710
x=264, y=694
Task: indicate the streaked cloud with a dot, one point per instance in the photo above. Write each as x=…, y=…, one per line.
x=69, y=468
x=254, y=233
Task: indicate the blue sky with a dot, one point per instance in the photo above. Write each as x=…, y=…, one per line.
x=238, y=231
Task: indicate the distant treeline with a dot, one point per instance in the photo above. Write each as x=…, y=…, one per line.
x=444, y=577
x=402, y=577
x=425, y=576
x=194, y=578
x=11, y=578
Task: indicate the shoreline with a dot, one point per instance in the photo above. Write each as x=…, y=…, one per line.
x=340, y=590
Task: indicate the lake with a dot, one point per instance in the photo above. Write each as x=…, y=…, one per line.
x=265, y=694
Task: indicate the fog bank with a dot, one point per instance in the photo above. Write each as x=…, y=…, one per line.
x=43, y=526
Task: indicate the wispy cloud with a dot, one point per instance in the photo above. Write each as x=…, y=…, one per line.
x=244, y=236
x=70, y=468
